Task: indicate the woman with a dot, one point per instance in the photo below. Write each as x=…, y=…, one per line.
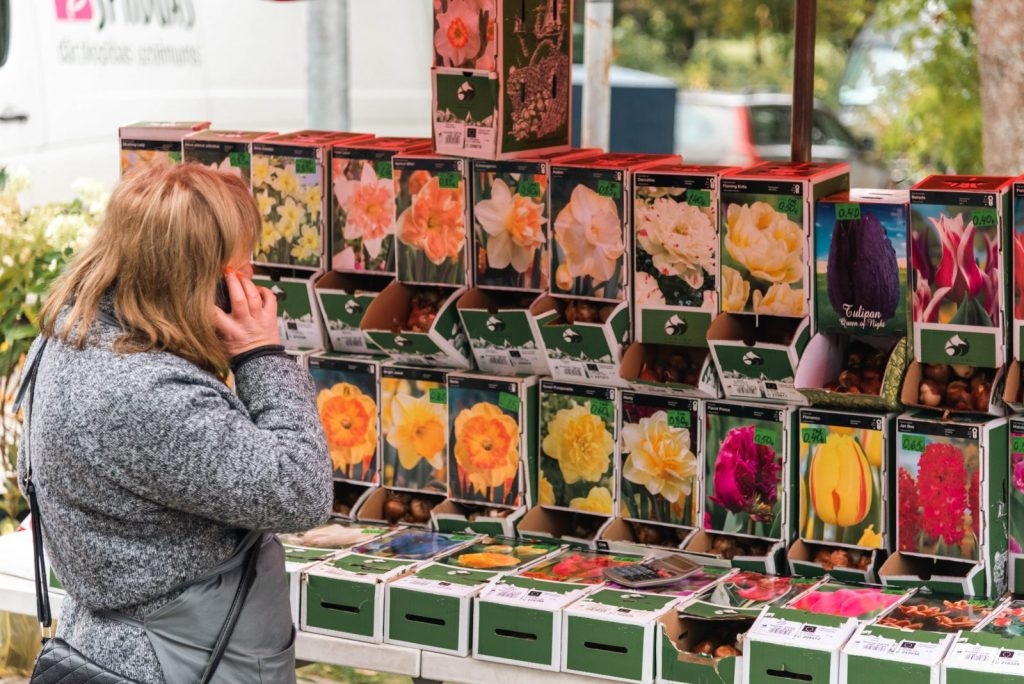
x=149, y=470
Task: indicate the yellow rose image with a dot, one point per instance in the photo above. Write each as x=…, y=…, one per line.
x=598, y=500
x=546, y=493
x=765, y=242
x=418, y=431
x=873, y=447
x=589, y=231
x=349, y=418
x=660, y=458
x=870, y=538
x=839, y=480
x=780, y=300
x=580, y=443
x=487, y=560
x=486, y=445
x=735, y=290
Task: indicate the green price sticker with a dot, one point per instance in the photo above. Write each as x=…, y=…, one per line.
x=509, y=402
x=698, y=198
x=528, y=188
x=382, y=169
x=1017, y=445
x=305, y=166
x=912, y=442
x=813, y=435
x=449, y=180
x=603, y=409
x=792, y=207
x=238, y=159
x=439, y=395
x=679, y=419
x=174, y=157
x=767, y=438
x=607, y=188
x=985, y=218
x=847, y=212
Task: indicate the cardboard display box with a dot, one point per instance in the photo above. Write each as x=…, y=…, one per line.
x=1016, y=504
x=492, y=445
x=290, y=181
x=757, y=357
x=682, y=632
x=453, y=516
x=583, y=347
x=386, y=506
x=991, y=652
x=766, y=226
x=225, y=151
x=361, y=207
x=154, y=142
x=431, y=609
x=983, y=403
x=675, y=259
x=961, y=319
x=578, y=446
x=1016, y=265
x=299, y=321
x=348, y=399
x=582, y=530
x=432, y=231
x=860, y=263
x=414, y=424
x=827, y=356
x=503, y=332
x=502, y=77
x=343, y=300
x=951, y=504
x=442, y=344
x=644, y=538
x=672, y=370
x=845, y=507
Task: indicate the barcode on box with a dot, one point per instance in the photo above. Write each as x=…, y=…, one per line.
x=494, y=360
x=574, y=371
x=876, y=646
x=977, y=657
x=747, y=390
x=453, y=139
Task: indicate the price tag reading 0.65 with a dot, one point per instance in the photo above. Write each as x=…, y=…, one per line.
x=792, y=207
x=529, y=188
x=439, y=395
x=607, y=188
x=449, y=180
x=913, y=442
x=382, y=169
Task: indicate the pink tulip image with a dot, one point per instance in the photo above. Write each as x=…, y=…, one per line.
x=958, y=269
x=746, y=475
x=858, y=602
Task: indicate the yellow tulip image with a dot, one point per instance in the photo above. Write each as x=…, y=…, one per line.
x=839, y=481
x=598, y=500
x=873, y=448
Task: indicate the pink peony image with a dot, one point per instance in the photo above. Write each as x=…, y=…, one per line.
x=746, y=475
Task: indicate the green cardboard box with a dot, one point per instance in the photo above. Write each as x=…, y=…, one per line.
x=1016, y=266
x=677, y=663
x=503, y=332
x=154, y=142
x=757, y=357
x=653, y=368
x=786, y=645
x=1016, y=503
x=642, y=538
x=298, y=315
x=575, y=528
x=454, y=516
x=343, y=300
x=443, y=345
x=583, y=351
x=823, y=360
x=992, y=652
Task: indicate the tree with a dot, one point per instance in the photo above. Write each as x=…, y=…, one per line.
x=1001, y=68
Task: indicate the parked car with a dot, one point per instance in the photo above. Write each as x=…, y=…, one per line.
x=746, y=128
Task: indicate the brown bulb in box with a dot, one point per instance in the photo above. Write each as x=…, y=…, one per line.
x=394, y=511
x=419, y=510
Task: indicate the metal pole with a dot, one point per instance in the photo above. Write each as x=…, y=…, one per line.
x=327, y=51
x=803, y=79
x=597, y=61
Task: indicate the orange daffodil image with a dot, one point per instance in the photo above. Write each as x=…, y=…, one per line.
x=486, y=450
x=369, y=206
x=432, y=231
x=349, y=418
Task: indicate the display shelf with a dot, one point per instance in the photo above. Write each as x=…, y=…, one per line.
x=378, y=657
x=446, y=668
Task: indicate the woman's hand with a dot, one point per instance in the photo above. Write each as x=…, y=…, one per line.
x=252, y=322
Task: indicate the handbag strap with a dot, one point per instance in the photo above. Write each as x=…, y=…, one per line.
x=27, y=391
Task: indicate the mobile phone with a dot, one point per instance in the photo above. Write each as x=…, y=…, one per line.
x=221, y=298
x=652, y=573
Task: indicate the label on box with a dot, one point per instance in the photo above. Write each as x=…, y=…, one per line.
x=349, y=339
x=905, y=650
x=970, y=656
x=567, y=369
x=433, y=586
x=797, y=634
x=493, y=360
x=528, y=596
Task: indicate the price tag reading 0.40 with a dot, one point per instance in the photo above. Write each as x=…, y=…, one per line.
x=449, y=180
x=698, y=198
x=985, y=218
x=913, y=442
x=792, y=207
x=814, y=435
x=847, y=212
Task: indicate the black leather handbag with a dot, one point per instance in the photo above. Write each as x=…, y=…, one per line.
x=59, y=662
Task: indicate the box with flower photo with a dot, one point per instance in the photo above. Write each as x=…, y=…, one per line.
x=343, y=299
x=502, y=77
x=992, y=652
x=1016, y=266
x=668, y=369
x=659, y=474
x=757, y=357
x=958, y=259
x=299, y=321
x=440, y=594
x=347, y=399
x=492, y=427
x=431, y=219
x=154, y=142
x=503, y=331
x=1016, y=503
x=361, y=238
x=766, y=224
x=583, y=340
x=675, y=258
x=578, y=447
x=951, y=507
x=844, y=508
x=225, y=151
x=290, y=183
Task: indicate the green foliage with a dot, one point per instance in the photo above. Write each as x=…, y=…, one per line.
x=34, y=246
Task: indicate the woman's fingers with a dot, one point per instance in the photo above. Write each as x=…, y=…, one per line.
x=253, y=299
x=236, y=291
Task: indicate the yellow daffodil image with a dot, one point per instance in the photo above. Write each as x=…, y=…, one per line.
x=486, y=446
x=660, y=457
x=597, y=500
x=581, y=444
x=870, y=538
x=349, y=418
x=285, y=181
x=839, y=481
x=260, y=171
x=418, y=431
x=546, y=493
x=308, y=244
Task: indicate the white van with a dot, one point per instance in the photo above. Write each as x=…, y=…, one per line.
x=76, y=70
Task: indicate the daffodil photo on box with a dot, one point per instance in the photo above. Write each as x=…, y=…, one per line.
x=289, y=193
x=346, y=397
x=414, y=423
x=660, y=470
x=363, y=206
x=431, y=225
x=577, y=447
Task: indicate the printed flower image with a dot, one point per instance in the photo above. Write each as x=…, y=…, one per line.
x=431, y=228
x=464, y=34
x=840, y=473
x=363, y=223
x=1016, y=495
x=232, y=158
x=1008, y=622
x=411, y=545
x=1018, y=269
x=763, y=259
x=498, y=554
x=936, y=487
x=415, y=433
x=347, y=401
x=659, y=464
x=484, y=461
x=330, y=536
x=753, y=590
x=510, y=220
x=581, y=567
x=956, y=268
x=743, y=476
x=676, y=246
x=588, y=247
x=577, y=451
x=934, y=613
x=862, y=603
x=290, y=206
x=132, y=160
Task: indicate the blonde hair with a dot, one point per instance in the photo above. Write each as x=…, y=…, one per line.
x=168, y=233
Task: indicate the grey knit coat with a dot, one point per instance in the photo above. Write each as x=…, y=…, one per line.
x=149, y=469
